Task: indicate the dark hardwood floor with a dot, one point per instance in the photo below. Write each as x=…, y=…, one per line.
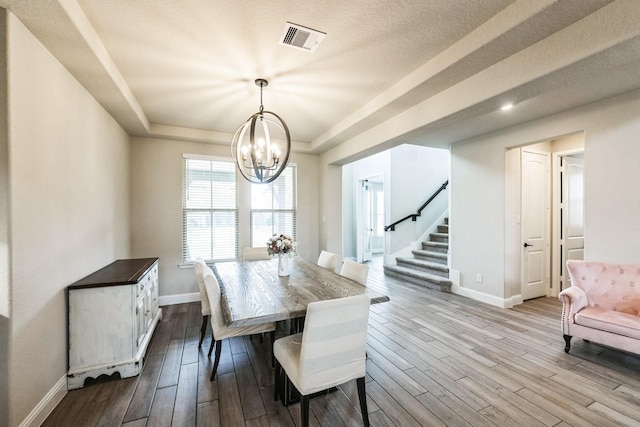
x=434, y=359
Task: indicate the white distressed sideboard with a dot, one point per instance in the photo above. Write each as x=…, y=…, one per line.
x=112, y=314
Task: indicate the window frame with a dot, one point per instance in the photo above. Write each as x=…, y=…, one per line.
x=293, y=210
x=212, y=210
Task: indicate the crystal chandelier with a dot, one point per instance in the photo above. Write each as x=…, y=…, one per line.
x=254, y=149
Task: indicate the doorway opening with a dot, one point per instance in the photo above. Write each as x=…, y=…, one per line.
x=544, y=215
x=568, y=215
x=370, y=218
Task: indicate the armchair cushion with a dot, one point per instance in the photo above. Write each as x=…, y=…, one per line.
x=610, y=321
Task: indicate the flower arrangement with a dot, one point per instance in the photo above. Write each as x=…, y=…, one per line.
x=280, y=244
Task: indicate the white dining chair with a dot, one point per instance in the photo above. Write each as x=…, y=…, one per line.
x=220, y=330
x=355, y=271
x=198, y=267
x=328, y=260
x=330, y=351
x=254, y=254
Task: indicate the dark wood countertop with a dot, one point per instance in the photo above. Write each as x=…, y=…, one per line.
x=120, y=272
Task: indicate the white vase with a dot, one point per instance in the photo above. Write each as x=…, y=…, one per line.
x=283, y=265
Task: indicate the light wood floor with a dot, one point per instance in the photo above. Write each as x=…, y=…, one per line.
x=434, y=359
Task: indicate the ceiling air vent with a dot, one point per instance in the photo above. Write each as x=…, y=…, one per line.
x=300, y=37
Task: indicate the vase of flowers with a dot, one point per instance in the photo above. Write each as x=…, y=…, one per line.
x=283, y=246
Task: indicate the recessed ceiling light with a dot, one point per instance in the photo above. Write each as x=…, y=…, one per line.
x=507, y=107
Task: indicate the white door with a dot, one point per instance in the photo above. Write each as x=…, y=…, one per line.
x=572, y=225
x=535, y=224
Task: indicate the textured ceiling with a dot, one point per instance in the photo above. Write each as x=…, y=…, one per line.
x=422, y=71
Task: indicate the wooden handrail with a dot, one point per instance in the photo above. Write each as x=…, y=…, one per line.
x=415, y=216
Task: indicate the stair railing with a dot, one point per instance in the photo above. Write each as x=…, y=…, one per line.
x=414, y=217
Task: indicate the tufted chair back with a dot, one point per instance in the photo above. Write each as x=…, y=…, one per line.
x=613, y=287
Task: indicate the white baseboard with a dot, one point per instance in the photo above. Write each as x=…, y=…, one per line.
x=178, y=298
x=454, y=276
x=486, y=298
x=48, y=403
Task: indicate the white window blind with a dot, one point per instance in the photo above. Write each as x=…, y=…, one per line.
x=273, y=207
x=210, y=209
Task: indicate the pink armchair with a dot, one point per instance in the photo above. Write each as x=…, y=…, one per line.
x=602, y=305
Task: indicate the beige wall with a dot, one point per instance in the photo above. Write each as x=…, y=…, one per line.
x=477, y=241
x=69, y=187
x=156, y=208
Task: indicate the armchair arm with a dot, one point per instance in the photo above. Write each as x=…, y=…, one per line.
x=573, y=300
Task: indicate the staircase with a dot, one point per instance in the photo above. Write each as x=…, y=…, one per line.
x=428, y=267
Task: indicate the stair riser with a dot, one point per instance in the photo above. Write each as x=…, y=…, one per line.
x=443, y=229
x=430, y=257
x=433, y=271
x=420, y=282
x=439, y=238
x=433, y=248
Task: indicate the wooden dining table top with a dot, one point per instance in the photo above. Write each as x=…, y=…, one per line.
x=253, y=293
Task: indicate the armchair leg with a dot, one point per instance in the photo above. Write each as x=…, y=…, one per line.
x=567, y=340
x=217, y=360
x=203, y=329
x=362, y=396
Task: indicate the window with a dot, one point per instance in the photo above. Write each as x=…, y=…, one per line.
x=209, y=209
x=273, y=207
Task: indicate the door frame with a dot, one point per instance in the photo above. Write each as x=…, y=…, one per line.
x=556, y=238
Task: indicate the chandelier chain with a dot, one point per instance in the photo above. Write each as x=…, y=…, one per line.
x=261, y=106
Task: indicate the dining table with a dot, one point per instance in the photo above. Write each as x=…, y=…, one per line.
x=253, y=293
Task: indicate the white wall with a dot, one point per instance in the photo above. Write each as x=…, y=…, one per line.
x=416, y=173
x=156, y=208
x=69, y=189
x=477, y=242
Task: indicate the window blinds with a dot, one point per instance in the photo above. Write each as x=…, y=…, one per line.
x=210, y=209
x=273, y=207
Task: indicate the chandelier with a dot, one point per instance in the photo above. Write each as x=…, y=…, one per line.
x=261, y=146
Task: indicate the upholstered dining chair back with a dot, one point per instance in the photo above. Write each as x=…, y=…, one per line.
x=330, y=351
x=199, y=266
x=219, y=327
x=355, y=271
x=254, y=254
x=213, y=291
x=328, y=260
x=334, y=341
